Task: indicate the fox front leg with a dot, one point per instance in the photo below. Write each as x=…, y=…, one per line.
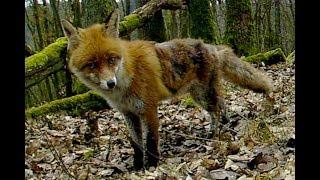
x=135, y=130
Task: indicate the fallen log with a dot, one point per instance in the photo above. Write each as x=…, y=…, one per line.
x=72, y=105
x=270, y=57
x=46, y=62
x=143, y=14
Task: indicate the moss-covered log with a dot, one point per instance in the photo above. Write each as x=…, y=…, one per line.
x=143, y=14
x=270, y=57
x=72, y=105
x=46, y=62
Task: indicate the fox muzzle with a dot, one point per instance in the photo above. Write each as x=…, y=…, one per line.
x=108, y=84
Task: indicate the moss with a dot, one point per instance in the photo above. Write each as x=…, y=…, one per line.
x=89, y=100
x=239, y=26
x=291, y=57
x=270, y=57
x=51, y=53
x=78, y=87
x=202, y=21
x=264, y=133
x=88, y=153
x=189, y=102
x=129, y=23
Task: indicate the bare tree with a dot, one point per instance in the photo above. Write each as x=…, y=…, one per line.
x=154, y=29
x=32, y=29
x=56, y=18
x=277, y=23
x=37, y=20
x=239, y=26
x=77, y=13
x=202, y=20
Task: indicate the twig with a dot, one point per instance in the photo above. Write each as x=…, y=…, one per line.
x=109, y=145
x=145, y=150
x=56, y=154
x=189, y=136
x=225, y=126
x=243, y=117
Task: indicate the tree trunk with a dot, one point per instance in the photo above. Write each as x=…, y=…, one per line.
x=69, y=91
x=215, y=20
x=77, y=14
x=127, y=7
x=56, y=84
x=270, y=33
x=32, y=30
x=48, y=37
x=56, y=18
x=277, y=38
x=202, y=20
x=96, y=11
x=175, y=23
x=38, y=27
x=239, y=27
x=154, y=29
x=48, y=87
x=184, y=24
x=292, y=9
x=258, y=34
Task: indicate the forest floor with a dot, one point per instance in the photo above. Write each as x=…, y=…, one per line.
x=256, y=144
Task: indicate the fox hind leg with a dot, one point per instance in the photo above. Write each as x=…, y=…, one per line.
x=135, y=130
x=223, y=109
x=152, y=126
x=209, y=98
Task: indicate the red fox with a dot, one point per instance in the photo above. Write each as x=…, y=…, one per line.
x=135, y=76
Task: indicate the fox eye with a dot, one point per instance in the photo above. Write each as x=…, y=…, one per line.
x=112, y=60
x=92, y=65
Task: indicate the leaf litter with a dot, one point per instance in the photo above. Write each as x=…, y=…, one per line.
x=256, y=143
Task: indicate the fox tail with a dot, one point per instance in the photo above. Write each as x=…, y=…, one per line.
x=242, y=73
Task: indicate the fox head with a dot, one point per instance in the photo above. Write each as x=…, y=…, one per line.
x=95, y=52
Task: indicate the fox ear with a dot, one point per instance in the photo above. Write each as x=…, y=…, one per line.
x=68, y=28
x=112, y=23
x=71, y=33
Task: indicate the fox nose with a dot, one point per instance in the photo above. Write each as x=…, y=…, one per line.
x=111, y=83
